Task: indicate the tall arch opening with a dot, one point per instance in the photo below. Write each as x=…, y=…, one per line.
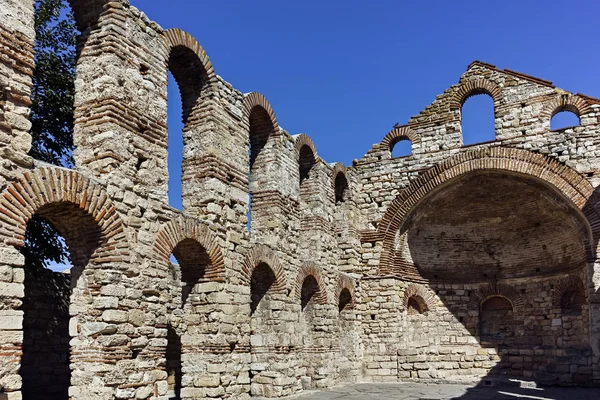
x=307, y=162
x=175, y=143
x=269, y=330
x=45, y=361
x=261, y=129
x=188, y=264
x=341, y=188
x=187, y=71
x=493, y=246
x=477, y=119
x=53, y=92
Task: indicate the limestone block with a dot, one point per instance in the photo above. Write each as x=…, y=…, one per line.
x=116, y=316
x=12, y=289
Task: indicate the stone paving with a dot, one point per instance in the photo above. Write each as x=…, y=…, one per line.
x=420, y=391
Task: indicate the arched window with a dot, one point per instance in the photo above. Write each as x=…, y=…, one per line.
x=345, y=299
x=310, y=287
x=261, y=128
x=477, y=119
x=496, y=319
x=416, y=305
x=401, y=147
x=187, y=71
x=341, y=187
x=48, y=295
x=263, y=278
x=571, y=303
x=564, y=119
x=175, y=143
x=307, y=162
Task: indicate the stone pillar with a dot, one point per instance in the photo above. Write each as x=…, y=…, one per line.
x=17, y=36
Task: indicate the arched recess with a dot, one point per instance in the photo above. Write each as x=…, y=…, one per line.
x=492, y=290
x=94, y=234
x=566, y=182
x=341, y=187
x=196, y=79
x=344, y=293
x=569, y=295
x=307, y=159
x=262, y=128
x=565, y=102
x=419, y=294
x=496, y=320
x=498, y=305
x=398, y=134
x=318, y=292
x=192, y=234
x=262, y=254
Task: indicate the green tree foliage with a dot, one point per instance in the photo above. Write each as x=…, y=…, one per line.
x=51, y=115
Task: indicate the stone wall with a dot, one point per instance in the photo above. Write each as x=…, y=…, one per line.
x=389, y=269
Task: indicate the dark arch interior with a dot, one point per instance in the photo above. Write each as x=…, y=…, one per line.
x=492, y=226
x=341, y=187
x=572, y=301
x=310, y=287
x=477, y=119
x=44, y=367
x=401, y=147
x=173, y=356
x=415, y=305
x=193, y=260
x=345, y=299
x=261, y=282
x=261, y=128
x=307, y=162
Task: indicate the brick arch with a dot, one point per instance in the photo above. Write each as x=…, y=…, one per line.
x=571, y=283
x=255, y=99
x=473, y=87
x=345, y=282
x=397, y=134
x=302, y=140
x=44, y=186
x=182, y=228
x=310, y=269
x=488, y=291
x=338, y=169
x=425, y=296
x=264, y=254
x=191, y=68
x=87, y=12
x=565, y=102
x=558, y=177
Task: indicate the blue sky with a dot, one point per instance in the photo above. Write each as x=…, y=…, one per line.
x=345, y=72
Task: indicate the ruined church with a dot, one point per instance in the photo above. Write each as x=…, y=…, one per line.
x=454, y=263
